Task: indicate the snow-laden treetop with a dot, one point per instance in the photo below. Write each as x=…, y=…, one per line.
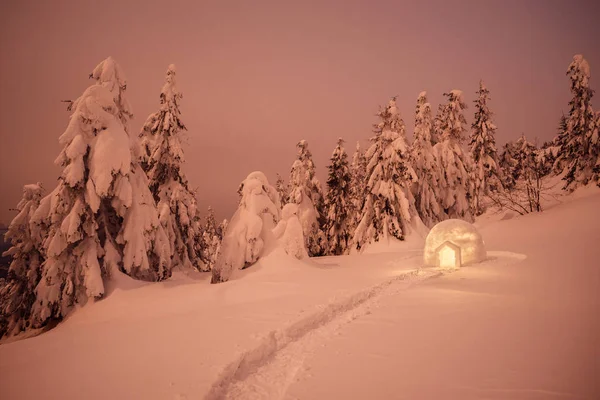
x=581, y=64
x=421, y=100
x=302, y=145
x=458, y=94
x=170, y=94
x=110, y=75
x=390, y=120
x=392, y=108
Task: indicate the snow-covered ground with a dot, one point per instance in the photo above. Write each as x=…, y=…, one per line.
x=525, y=324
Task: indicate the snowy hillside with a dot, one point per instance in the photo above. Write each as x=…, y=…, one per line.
x=525, y=324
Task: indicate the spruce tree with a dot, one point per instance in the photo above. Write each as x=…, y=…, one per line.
x=425, y=165
x=437, y=131
x=282, y=189
x=210, y=239
x=547, y=155
x=306, y=192
x=223, y=228
x=455, y=182
x=18, y=295
x=358, y=170
x=162, y=158
x=558, y=143
x=484, y=174
x=509, y=165
x=389, y=207
x=338, y=202
x=579, y=153
x=101, y=218
x=305, y=157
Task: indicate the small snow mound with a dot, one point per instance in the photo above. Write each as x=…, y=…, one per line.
x=460, y=233
x=507, y=215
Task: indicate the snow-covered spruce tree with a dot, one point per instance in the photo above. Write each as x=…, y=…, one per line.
x=547, y=155
x=358, y=170
x=549, y=151
x=453, y=161
x=338, y=202
x=282, y=189
x=306, y=192
x=210, y=239
x=438, y=122
x=425, y=166
x=579, y=153
x=485, y=173
x=389, y=206
x=250, y=231
x=510, y=169
x=18, y=295
x=162, y=159
x=223, y=228
x=558, y=143
x=101, y=217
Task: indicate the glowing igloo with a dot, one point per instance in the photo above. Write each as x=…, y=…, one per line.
x=453, y=243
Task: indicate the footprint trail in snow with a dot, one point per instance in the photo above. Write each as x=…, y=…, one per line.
x=267, y=371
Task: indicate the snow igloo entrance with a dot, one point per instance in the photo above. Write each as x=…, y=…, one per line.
x=448, y=255
x=452, y=244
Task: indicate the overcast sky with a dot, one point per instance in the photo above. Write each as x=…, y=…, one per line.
x=258, y=76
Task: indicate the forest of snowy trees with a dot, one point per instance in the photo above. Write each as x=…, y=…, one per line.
x=123, y=204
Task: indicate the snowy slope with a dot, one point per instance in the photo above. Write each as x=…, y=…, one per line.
x=520, y=330
x=524, y=324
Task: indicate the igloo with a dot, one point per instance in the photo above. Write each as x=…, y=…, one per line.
x=453, y=243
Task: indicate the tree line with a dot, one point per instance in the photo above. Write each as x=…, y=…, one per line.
x=123, y=204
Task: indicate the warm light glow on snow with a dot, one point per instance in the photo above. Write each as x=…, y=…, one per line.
x=447, y=257
x=457, y=236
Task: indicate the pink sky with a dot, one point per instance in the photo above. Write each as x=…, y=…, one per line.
x=258, y=76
